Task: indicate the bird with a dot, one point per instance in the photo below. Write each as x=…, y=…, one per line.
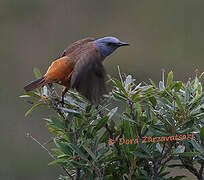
x=80, y=67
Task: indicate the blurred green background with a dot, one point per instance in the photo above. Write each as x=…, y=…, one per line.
x=163, y=35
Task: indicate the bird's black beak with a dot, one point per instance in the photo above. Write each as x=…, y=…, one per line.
x=123, y=44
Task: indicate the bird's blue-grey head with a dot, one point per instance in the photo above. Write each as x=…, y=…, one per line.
x=107, y=45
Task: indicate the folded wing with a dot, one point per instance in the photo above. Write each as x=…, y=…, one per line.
x=60, y=71
x=88, y=76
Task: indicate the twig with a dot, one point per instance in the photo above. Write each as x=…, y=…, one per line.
x=34, y=139
x=201, y=169
x=74, y=140
x=109, y=131
x=132, y=168
x=193, y=170
x=82, y=126
x=50, y=154
x=54, y=105
x=167, y=160
x=121, y=79
x=112, y=136
x=166, y=153
x=77, y=176
x=151, y=167
x=163, y=72
x=134, y=117
x=163, y=148
x=189, y=168
x=121, y=133
x=158, y=164
x=100, y=174
x=68, y=130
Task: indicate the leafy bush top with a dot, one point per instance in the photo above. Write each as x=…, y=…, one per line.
x=159, y=124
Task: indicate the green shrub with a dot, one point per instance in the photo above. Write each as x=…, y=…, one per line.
x=158, y=124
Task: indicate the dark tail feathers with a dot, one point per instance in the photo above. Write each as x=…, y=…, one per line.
x=35, y=84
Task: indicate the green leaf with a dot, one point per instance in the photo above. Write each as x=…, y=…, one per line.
x=95, y=147
x=112, y=125
x=144, y=173
x=57, y=150
x=119, y=97
x=161, y=86
x=64, y=148
x=178, y=85
x=175, y=165
x=45, y=91
x=33, y=94
x=24, y=96
x=125, y=117
x=153, y=101
x=37, y=73
x=77, y=164
x=145, y=148
x=58, y=123
x=164, y=173
x=89, y=152
x=104, y=137
x=158, y=131
x=33, y=108
x=68, y=137
x=78, y=151
x=197, y=146
x=128, y=82
x=141, y=155
x=57, y=161
x=178, y=102
x=189, y=154
x=158, y=146
x=101, y=123
x=178, y=177
x=119, y=85
x=103, y=150
x=169, y=79
x=126, y=126
x=138, y=109
x=202, y=135
x=112, y=112
x=153, y=84
x=180, y=149
x=70, y=110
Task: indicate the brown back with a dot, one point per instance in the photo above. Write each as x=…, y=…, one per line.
x=76, y=46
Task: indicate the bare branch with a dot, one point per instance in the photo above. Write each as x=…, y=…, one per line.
x=50, y=154
x=112, y=136
x=121, y=79
x=134, y=117
x=201, y=169
x=158, y=164
x=192, y=169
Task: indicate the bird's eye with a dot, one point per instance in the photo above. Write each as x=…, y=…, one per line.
x=110, y=44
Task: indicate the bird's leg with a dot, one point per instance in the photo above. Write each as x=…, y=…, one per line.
x=65, y=89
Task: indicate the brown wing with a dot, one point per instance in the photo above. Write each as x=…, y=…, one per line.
x=75, y=46
x=60, y=71
x=88, y=76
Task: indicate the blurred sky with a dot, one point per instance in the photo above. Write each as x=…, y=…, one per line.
x=163, y=34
